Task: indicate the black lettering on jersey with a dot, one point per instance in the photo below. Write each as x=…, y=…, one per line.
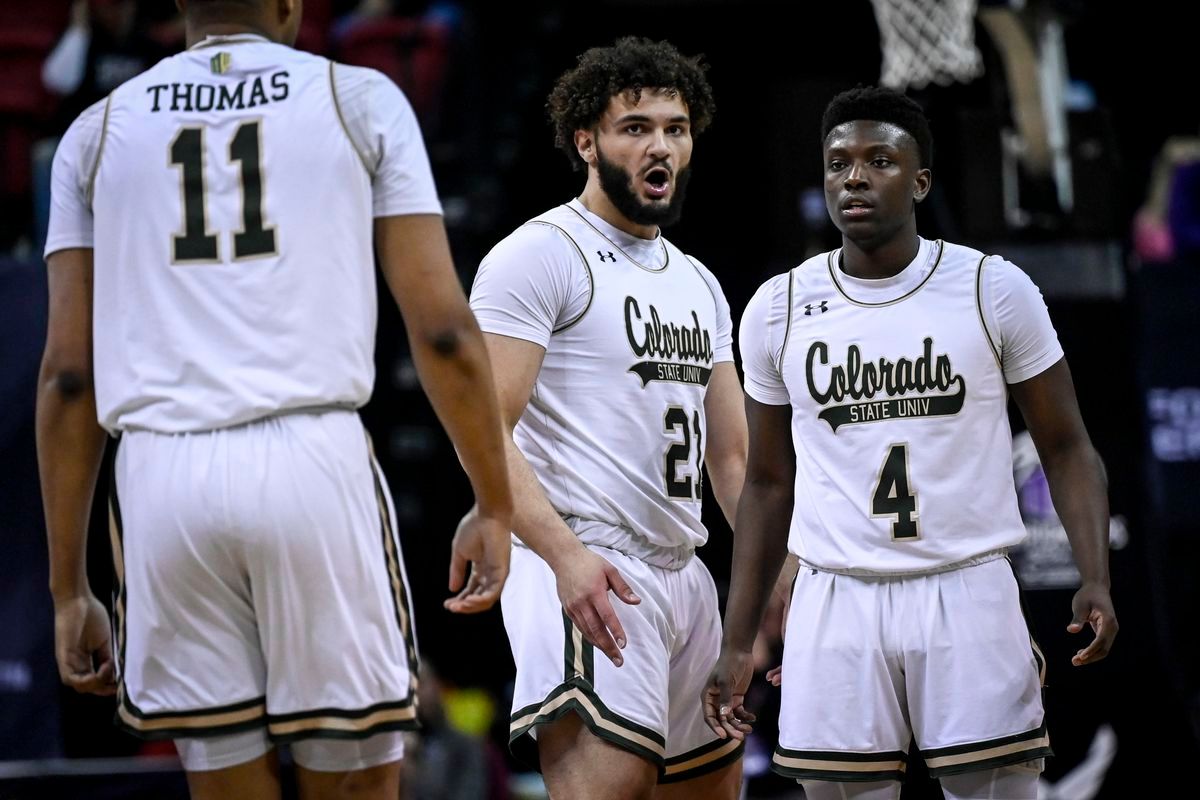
x=181, y=92
x=230, y=97
x=258, y=95
x=660, y=340
x=156, y=90
x=205, y=100
x=280, y=85
x=861, y=381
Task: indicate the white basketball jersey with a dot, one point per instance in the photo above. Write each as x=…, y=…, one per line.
x=615, y=427
x=231, y=218
x=899, y=411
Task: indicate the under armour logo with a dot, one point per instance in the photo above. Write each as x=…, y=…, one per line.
x=823, y=305
x=606, y=257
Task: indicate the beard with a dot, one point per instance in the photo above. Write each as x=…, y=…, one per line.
x=618, y=185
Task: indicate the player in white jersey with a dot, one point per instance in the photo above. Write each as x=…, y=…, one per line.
x=891, y=361
x=212, y=304
x=612, y=351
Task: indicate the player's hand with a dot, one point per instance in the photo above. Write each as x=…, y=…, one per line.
x=584, y=581
x=83, y=645
x=725, y=695
x=1092, y=605
x=483, y=543
x=775, y=674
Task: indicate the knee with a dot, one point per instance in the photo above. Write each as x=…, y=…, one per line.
x=382, y=781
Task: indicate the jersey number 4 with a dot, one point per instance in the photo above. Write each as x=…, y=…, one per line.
x=894, y=498
x=196, y=243
x=674, y=421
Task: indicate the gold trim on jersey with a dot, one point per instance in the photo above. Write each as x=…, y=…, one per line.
x=233, y=38
x=787, y=330
x=337, y=106
x=999, y=752
x=328, y=723
x=634, y=261
x=837, y=766
x=586, y=266
x=395, y=577
x=983, y=320
x=91, y=186
x=237, y=716
x=833, y=270
x=702, y=760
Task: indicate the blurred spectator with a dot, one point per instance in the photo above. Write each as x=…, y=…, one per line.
x=443, y=762
x=103, y=47
x=1168, y=223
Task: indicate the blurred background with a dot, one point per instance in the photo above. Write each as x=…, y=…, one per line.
x=1064, y=141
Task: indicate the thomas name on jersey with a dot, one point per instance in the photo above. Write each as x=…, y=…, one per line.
x=653, y=337
x=860, y=379
x=218, y=97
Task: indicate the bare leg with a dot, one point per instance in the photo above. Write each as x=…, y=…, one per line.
x=723, y=784
x=373, y=783
x=258, y=778
x=578, y=765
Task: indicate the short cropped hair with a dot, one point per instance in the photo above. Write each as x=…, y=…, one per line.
x=881, y=105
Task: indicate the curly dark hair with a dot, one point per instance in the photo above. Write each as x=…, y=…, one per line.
x=632, y=64
x=881, y=105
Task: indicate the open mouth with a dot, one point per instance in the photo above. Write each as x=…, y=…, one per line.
x=658, y=181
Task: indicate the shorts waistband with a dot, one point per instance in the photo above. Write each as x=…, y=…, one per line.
x=973, y=561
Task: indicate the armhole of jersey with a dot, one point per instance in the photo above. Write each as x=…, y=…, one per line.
x=982, y=317
x=787, y=329
x=703, y=277
x=586, y=268
x=337, y=106
x=91, y=184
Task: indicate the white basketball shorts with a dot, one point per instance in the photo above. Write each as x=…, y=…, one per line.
x=651, y=704
x=259, y=583
x=869, y=663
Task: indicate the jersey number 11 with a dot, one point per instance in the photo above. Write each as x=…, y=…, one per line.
x=196, y=243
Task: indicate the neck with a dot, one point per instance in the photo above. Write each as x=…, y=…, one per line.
x=883, y=260
x=596, y=201
x=199, y=31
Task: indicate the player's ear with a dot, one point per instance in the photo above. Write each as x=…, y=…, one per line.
x=585, y=145
x=922, y=185
x=286, y=9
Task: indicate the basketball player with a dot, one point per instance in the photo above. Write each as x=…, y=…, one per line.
x=213, y=304
x=612, y=351
x=891, y=359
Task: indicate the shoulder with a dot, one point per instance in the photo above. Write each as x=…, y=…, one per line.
x=538, y=239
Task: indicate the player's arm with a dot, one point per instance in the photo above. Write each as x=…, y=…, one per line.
x=70, y=445
x=452, y=364
x=584, y=578
x=725, y=450
x=1079, y=489
x=759, y=549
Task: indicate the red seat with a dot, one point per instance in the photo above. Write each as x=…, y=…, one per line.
x=412, y=52
x=22, y=54
x=314, y=26
x=34, y=15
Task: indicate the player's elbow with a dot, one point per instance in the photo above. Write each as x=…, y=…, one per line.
x=68, y=382
x=449, y=339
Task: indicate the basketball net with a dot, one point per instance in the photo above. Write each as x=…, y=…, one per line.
x=927, y=41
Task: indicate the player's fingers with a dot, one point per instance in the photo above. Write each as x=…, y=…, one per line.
x=711, y=700
x=608, y=616
x=618, y=584
x=458, y=570
x=775, y=676
x=597, y=633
